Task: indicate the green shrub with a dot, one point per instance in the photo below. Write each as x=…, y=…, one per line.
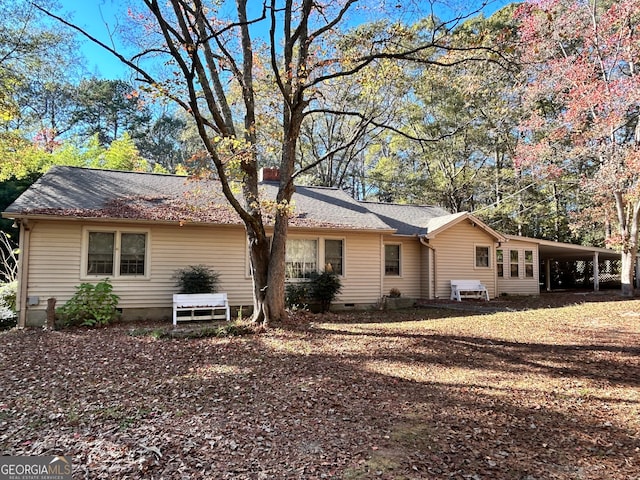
x=297, y=296
x=8, y=293
x=321, y=288
x=324, y=288
x=91, y=305
x=196, y=279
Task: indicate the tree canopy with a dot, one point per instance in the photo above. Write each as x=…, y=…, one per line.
x=527, y=117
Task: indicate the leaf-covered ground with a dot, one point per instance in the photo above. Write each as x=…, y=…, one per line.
x=525, y=394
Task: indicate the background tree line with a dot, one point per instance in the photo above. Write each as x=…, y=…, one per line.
x=443, y=131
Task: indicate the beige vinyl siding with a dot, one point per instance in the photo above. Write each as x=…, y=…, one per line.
x=409, y=281
x=56, y=250
x=220, y=248
x=55, y=259
x=521, y=285
x=426, y=272
x=455, y=257
x=362, y=282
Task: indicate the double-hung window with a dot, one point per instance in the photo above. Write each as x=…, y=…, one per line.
x=528, y=263
x=482, y=256
x=305, y=256
x=334, y=256
x=301, y=258
x=514, y=257
x=392, y=260
x=116, y=253
x=500, y=262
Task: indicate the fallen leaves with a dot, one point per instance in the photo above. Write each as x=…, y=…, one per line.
x=416, y=394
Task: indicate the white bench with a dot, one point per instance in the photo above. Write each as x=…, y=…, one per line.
x=201, y=306
x=468, y=289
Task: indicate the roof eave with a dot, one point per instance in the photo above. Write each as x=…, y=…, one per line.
x=70, y=218
x=475, y=222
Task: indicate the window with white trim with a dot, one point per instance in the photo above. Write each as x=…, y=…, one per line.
x=500, y=262
x=482, y=256
x=334, y=256
x=301, y=257
x=392, y=260
x=528, y=263
x=514, y=262
x=116, y=253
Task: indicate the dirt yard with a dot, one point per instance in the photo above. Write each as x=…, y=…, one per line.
x=539, y=390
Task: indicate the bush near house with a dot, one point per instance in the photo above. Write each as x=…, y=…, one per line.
x=92, y=305
x=321, y=288
x=197, y=279
x=8, y=292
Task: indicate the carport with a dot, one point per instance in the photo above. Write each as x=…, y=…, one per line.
x=605, y=262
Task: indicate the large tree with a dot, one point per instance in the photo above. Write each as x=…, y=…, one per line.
x=584, y=97
x=216, y=55
x=108, y=109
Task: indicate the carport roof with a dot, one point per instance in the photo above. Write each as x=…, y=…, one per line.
x=567, y=251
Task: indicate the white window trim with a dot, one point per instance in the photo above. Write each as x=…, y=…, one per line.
x=318, y=256
x=520, y=260
x=319, y=260
x=384, y=260
x=84, y=251
x=503, y=250
x=322, y=254
x=525, y=263
x=475, y=258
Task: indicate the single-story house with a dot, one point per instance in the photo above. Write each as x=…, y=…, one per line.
x=84, y=225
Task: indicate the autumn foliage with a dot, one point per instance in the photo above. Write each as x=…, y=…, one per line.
x=583, y=93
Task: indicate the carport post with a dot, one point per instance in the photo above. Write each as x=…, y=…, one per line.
x=547, y=273
x=596, y=273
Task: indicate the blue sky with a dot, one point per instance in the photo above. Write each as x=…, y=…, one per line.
x=95, y=15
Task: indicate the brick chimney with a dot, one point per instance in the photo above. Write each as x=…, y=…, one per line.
x=269, y=174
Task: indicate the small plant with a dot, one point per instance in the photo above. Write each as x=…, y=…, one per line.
x=324, y=288
x=394, y=293
x=297, y=296
x=8, y=292
x=197, y=279
x=90, y=306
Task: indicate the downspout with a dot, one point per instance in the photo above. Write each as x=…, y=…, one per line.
x=424, y=242
x=381, y=256
x=23, y=271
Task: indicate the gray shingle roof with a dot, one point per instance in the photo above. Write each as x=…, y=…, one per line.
x=89, y=193
x=406, y=219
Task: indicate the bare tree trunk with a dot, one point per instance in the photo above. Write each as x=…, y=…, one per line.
x=627, y=272
x=259, y=258
x=51, y=313
x=628, y=218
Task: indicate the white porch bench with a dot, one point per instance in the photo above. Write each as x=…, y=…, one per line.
x=201, y=306
x=468, y=289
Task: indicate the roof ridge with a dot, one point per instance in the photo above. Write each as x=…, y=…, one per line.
x=113, y=170
x=400, y=204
